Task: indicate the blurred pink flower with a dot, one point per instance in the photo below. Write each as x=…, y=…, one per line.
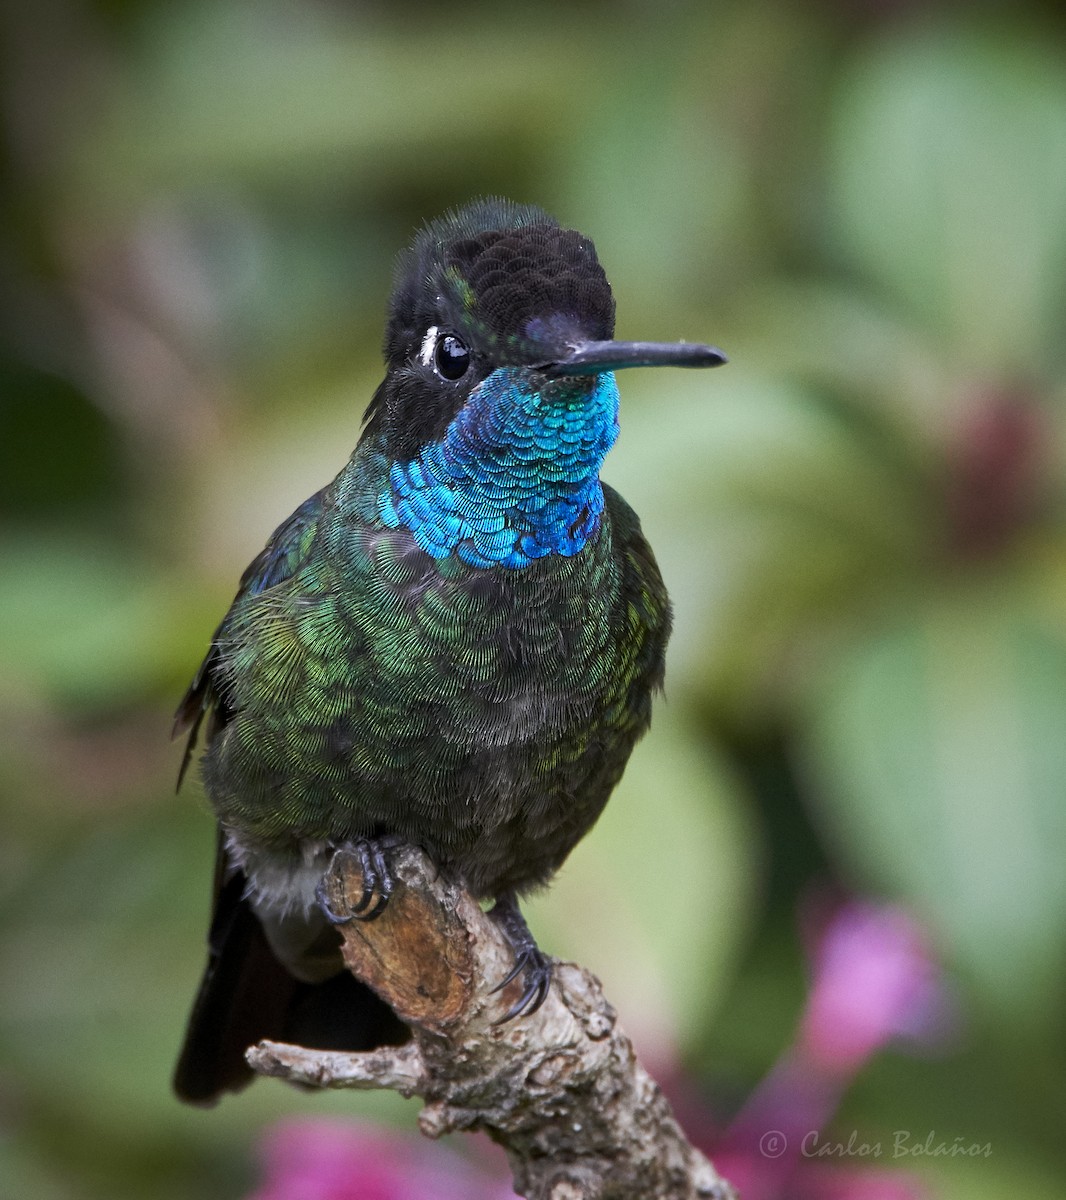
x=316, y=1158
x=874, y=980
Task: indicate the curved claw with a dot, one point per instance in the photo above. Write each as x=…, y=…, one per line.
x=368, y=890
x=377, y=882
x=328, y=911
x=513, y=973
x=366, y=872
x=530, y=962
x=382, y=881
x=537, y=970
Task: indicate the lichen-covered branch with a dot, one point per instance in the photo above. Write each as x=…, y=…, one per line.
x=561, y=1090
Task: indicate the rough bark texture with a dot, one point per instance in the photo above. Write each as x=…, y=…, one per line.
x=560, y=1090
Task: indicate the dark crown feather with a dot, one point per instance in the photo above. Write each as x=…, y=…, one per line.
x=498, y=273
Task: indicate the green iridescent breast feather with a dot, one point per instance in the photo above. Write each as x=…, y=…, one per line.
x=377, y=683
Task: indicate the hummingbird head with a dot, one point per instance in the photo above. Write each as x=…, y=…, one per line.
x=499, y=285
x=499, y=402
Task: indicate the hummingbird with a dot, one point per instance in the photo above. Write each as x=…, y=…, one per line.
x=453, y=645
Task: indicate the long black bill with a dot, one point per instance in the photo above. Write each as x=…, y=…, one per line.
x=590, y=358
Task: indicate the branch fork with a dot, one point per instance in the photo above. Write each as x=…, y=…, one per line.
x=561, y=1089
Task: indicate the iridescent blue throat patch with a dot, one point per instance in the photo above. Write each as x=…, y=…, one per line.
x=516, y=476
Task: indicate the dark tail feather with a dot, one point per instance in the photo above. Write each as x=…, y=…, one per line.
x=246, y=995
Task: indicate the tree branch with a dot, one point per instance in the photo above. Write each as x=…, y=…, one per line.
x=560, y=1090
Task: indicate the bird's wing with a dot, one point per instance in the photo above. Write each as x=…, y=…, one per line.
x=647, y=603
x=282, y=556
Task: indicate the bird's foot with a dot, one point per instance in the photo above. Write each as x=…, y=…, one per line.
x=530, y=961
x=378, y=881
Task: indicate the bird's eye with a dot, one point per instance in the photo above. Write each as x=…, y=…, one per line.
x=451, y=357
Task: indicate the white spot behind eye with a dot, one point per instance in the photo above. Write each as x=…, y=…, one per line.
x=429, y=345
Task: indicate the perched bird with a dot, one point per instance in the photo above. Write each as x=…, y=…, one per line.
x=454, y=644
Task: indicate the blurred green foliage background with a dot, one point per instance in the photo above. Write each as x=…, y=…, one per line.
x=862, y=519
